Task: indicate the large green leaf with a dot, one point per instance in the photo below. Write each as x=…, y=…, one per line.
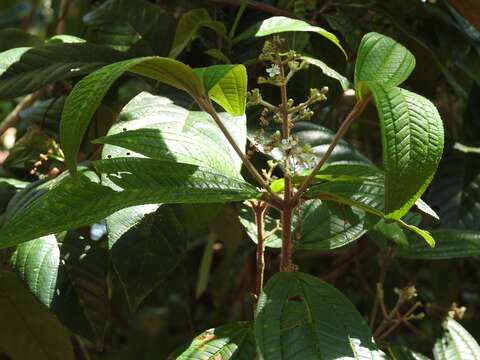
x=227, y=86
x=451, y=244
x=412, y=136
x=301, y=317
x=153, y=126
x=280, y=24
x=381, y=60
x=70, y=278
x=29, y=331
x=131, y=25
x=131, y=181
x=228, y=342
x=25, y=70
x=190, y=25
x=86, y=96
x=456, y=343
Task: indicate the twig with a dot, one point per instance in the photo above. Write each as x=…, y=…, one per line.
x=287, y=210
x=356, y=111
x=259, y=6
x=62, y=15
x=260, y=209
x=207, y=106
x=13, y=118
x=385, y=262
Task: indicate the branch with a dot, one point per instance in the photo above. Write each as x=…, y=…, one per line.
x=257, y=5
x=13, y=118
x=260, y=209
x=356, y=111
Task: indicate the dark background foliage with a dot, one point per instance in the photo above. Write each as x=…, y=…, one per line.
x=187, y=268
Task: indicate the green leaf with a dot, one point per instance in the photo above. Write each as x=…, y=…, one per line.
x=189, y=27
x=146, y=127
x=366, y=193
x=131, y=25
x=412, y=136
x=279, y=24
x=86, y=96
x=227, y=342
x=127, y=182
x=227, y=86
x=450, y=244
x=218, y=55
x=29, y=331
x=381, y=60
x=145, y=254
x=292, y=314
x=15, y=38
x=328, y=71
x=153, y=126
x=25, y=70
x=69, y=278
x=456, y=343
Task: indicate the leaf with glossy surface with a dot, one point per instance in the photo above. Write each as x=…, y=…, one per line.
x=328, y=71
x=412, y=136
x=25, y=70
x=279, y=24
x=190, y=25
x=381, y=60
x=29, y=331
x=456, y=343
x=228, y=342
x=291, y=315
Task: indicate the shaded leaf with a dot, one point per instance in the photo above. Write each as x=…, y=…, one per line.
x=450, y=244
x=70, y=278
x=291, y=316
x=25, y=70
x=190, y=25
x=30, y=332
x=131, y=25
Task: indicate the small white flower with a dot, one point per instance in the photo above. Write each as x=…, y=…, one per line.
x=273, y=71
